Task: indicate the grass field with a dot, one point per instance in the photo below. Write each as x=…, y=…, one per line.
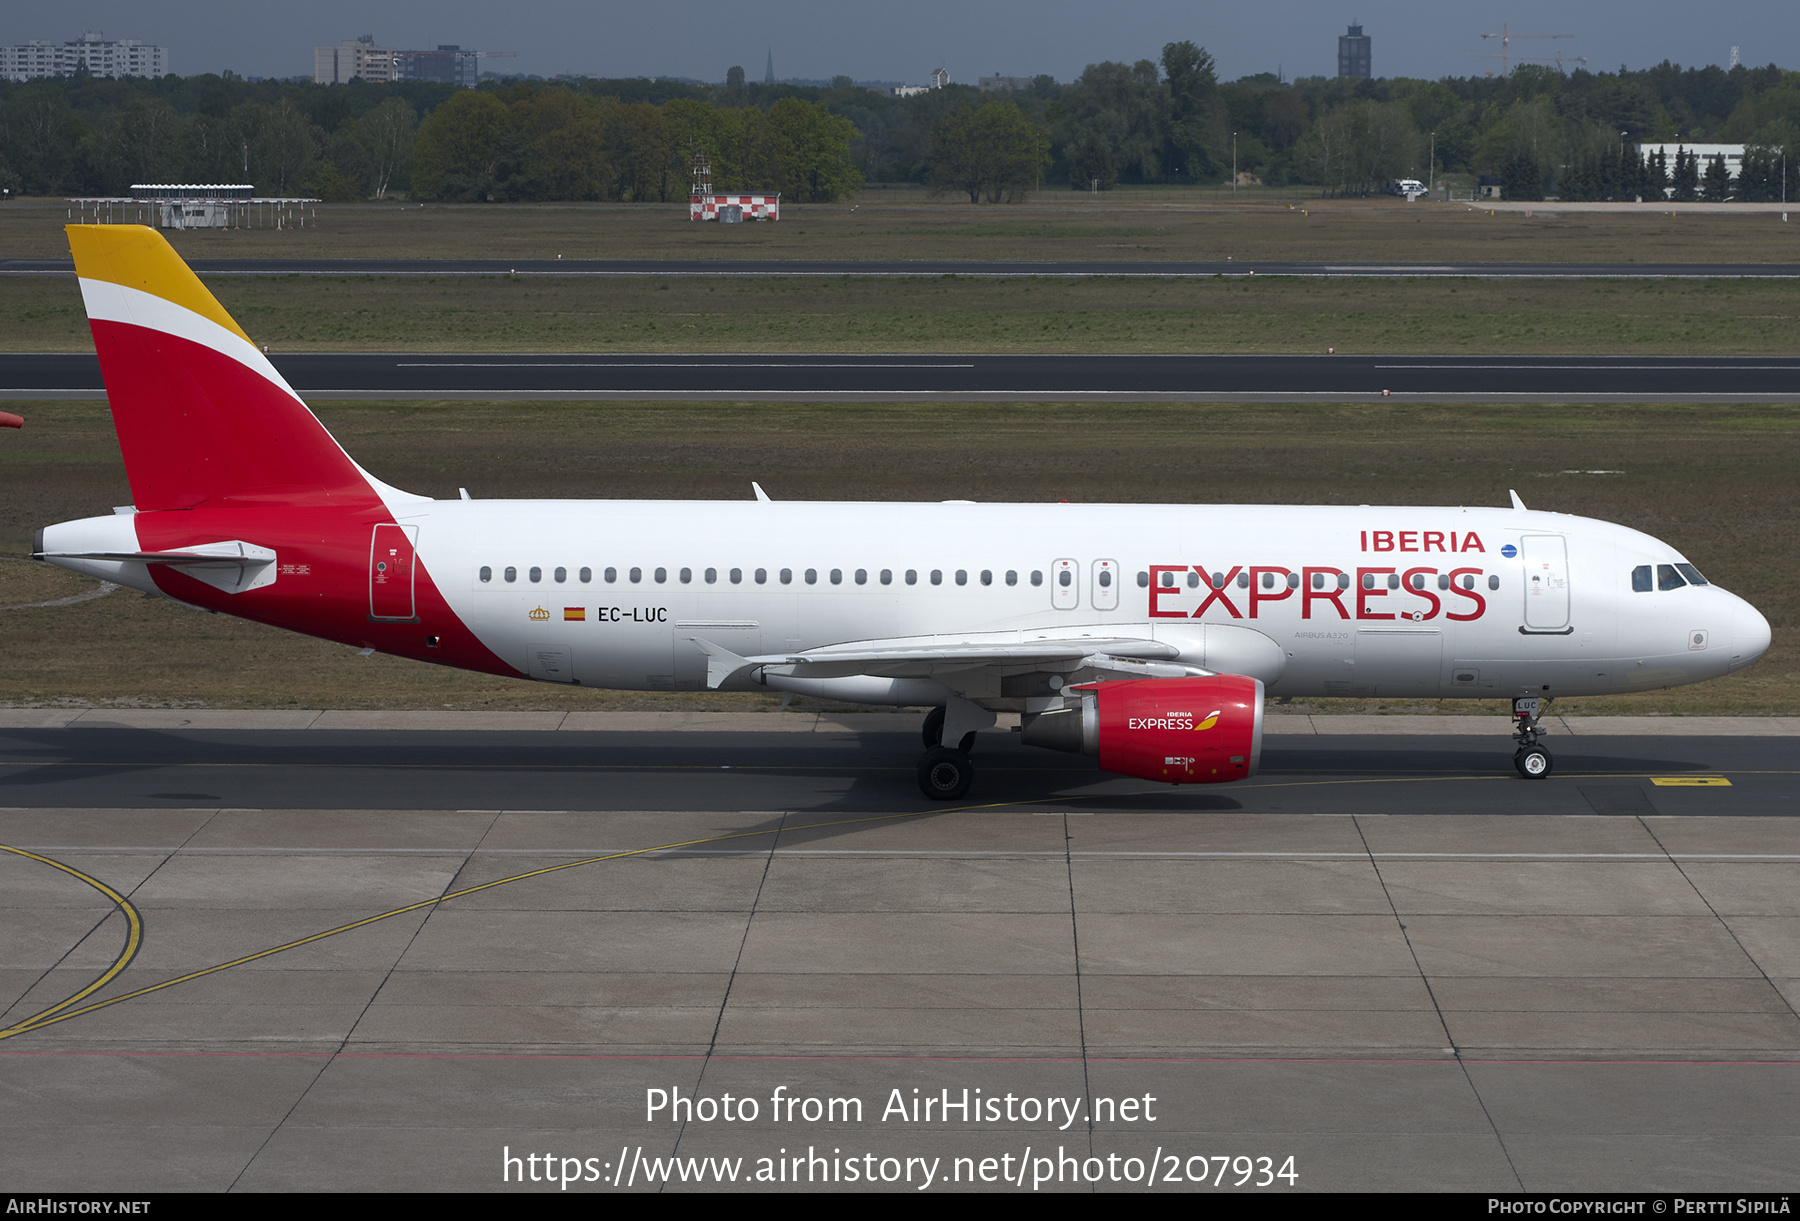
x=1718, y=482
x=905, y=224
x=959, y=314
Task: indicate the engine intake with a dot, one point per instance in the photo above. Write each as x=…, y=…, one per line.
x=1176, y=730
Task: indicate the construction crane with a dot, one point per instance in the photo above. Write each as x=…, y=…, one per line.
x=1507, y=58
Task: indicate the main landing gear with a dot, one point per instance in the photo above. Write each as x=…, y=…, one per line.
x=945, y=773
x=1532, y=760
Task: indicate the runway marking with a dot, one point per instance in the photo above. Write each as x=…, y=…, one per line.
x=61, y=1012
x=1694, y=782
x=1611, y=368
x=50, y=1017
x=673, y=364
x=902, y=853
x=134, y=937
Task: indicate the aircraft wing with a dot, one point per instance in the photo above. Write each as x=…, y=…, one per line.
x=936, y=656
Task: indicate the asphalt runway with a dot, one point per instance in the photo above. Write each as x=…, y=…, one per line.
x=859, y=268
x=381, y=959
x=974, y=377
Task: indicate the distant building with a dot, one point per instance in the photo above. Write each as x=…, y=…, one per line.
x=939, y=79
x=99, y=56
x=448, y=65
x=358, y=60
x=362, y=60
x=1353, y=53
x=1004, y=84
x=1733, y=154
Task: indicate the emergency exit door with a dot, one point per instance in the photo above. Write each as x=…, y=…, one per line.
x=1546, y=566
x=391, y=573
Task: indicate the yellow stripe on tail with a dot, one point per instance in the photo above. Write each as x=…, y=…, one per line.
x=138, y=257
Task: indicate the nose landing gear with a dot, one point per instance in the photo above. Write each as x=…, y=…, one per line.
x=1531, y=759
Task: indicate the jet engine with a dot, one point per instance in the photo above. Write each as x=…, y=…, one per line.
x=1176, y=730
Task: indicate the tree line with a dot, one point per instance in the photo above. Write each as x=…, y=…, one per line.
x=1164, y=120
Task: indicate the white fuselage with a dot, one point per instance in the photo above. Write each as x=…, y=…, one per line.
x=1558, y=616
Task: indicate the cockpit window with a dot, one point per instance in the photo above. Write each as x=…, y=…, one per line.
x=1668, y=578
x=1640, y=579
x=1691, y=573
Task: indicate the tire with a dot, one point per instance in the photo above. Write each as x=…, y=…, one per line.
x=933, y=729
x=1533, y=762
x=945, y=774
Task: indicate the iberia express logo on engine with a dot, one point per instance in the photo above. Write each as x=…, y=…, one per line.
x=1174, y=720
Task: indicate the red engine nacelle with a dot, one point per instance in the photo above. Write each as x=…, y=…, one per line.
x=1176, y=730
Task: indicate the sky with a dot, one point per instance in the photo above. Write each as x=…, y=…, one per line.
x=905, y=41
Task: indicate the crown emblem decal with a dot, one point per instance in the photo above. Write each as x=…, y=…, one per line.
x=539, y=615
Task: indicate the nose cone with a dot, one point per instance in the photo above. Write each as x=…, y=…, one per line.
x=1749, y=635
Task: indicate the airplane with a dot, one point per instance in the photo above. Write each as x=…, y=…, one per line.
x=1147, y=636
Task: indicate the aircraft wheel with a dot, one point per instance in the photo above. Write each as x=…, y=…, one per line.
x=1533, y=762
x=945, y=774
x=933, y=729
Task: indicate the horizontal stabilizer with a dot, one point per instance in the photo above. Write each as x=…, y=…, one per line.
x=208, y=554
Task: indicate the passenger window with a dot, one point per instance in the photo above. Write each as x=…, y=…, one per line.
x=662, y=574
x=812, y=576
x=937, y=576
x=1193, y=580
x=1065, y=578
x=762, y=576
x=1343, y=580
x=962, y=576
x=1668, y=578
x=787, y=576
x=636, y=575
x=1144, y=580
x=561, y=575
x=712, y=576
x=687, y=576
x=1037, y=578
x=887, y=576
x=487, y=574
x=1168, y=580
x=511, y=574
x=536, y=574
x=1368, y=580
x=1640, y=579
x=1318, y=580
x=1443, y=580
x=611, y=575
x=737, y=576
x=1268, y=580
x=987, y=577
x=1105, y=579
x=1468, y=582
x=1418, y=581
x=1243, y=580
x=586, y=575
x=837, y=576
x=1293, y=580
x=862, y=576
x=1494, y=582
x=1393, y=581
x=1691, y=573
x=912, y=576
x=1218, y=580
x=1012, y=576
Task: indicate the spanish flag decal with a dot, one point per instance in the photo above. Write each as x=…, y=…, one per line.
x=574, y=614
x=1212, y=718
